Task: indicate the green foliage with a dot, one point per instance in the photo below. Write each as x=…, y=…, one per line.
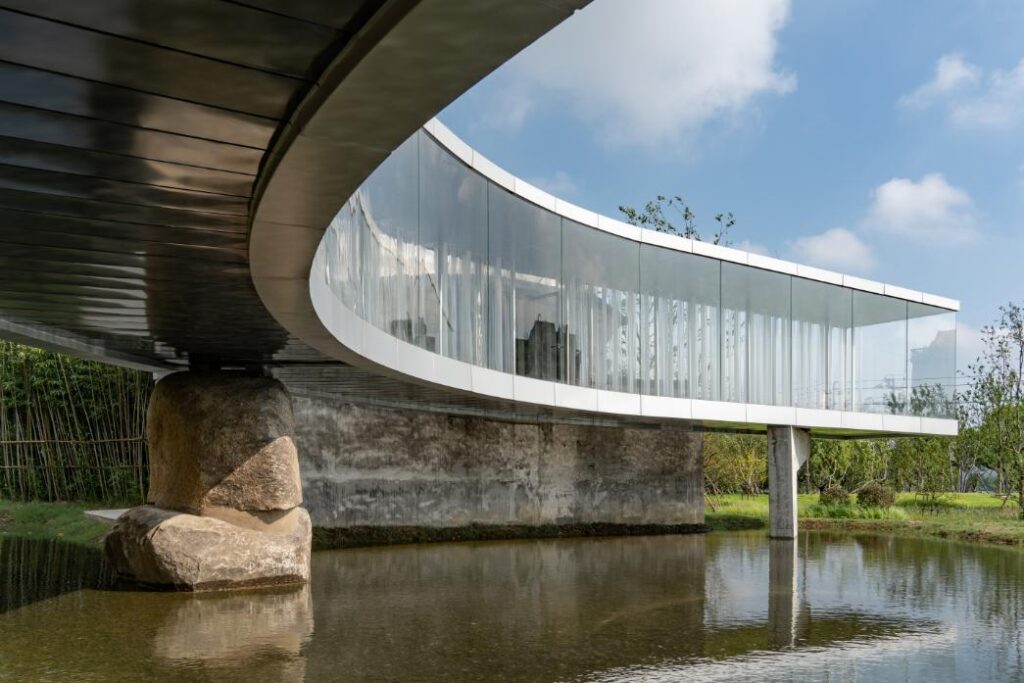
x=844, y=464
x=875, y=495
x=835, y=495
x=923, y=465
x=735, y=463
x=653, y=216
x=994, y=404
x=70, y=429
x=824, y=511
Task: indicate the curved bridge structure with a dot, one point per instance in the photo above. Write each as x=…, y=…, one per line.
x=447, y=271
x=169, y=170
x=249, y=185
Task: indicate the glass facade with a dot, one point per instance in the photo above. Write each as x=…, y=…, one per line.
x=679, y=323
x=931, y=340
x=525, y=286
x=439, y=256
x=822, y=345
x=601, y=305
x=879, y=354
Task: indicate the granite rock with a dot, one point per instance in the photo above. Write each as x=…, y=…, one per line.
x=174, y=550
x=222, y=439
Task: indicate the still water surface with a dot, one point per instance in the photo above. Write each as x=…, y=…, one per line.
x=722, y=607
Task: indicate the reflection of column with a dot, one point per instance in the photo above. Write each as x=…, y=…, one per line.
x=788, y=448
x=783, y=598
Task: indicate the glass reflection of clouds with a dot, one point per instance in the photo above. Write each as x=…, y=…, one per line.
x=438, y=255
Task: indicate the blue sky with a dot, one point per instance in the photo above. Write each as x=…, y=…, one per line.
x=882, y=139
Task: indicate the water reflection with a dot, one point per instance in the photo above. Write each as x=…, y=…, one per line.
x=36, y=569
x=720, y=607
x=783, y=593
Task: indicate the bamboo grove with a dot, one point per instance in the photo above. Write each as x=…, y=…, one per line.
x=70, y=429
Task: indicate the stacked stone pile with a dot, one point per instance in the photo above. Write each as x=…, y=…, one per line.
x=224, y=489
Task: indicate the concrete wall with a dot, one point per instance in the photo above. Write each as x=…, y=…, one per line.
x=383, y=467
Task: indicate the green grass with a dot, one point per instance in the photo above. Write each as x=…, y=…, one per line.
x=63, y=521
x=974, y=517
x=820, y=511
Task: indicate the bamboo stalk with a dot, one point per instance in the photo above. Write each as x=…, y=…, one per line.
x=70, y=429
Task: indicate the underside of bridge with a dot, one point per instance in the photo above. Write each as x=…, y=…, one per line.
x=136, y=136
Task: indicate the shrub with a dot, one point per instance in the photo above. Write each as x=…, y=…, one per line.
x=876, y=496
x=834, y=495
x=820, y=511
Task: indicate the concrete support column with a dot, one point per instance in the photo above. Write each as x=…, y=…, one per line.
x=222, y=506
x=788, y=448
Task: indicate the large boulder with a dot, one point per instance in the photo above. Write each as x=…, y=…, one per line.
x=222, y=439
x=170, y=549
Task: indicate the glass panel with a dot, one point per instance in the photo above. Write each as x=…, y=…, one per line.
x=525, y=256
x=372, y=250
x=434, y=254
x=822, y=345
x=879, y=354
x=756, y=332
x=453, y=242
x=931, y=335
x=679, y=323
x=601, y=276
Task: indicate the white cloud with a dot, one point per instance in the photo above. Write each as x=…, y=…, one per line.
x=952, y=73
x=930, y=210
x=752, y=247
x=656, y=70
x=835, y=248
x=560, y=184
x=995, y=102
x=999, y=106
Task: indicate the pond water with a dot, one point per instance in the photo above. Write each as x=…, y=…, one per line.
x=721, y=607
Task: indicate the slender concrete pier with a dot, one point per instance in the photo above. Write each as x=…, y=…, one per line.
x=788, y=448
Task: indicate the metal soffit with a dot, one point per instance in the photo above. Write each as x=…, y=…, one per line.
x=132, y=133
x=137, y=136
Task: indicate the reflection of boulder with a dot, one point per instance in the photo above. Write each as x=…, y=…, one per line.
x=260, y=633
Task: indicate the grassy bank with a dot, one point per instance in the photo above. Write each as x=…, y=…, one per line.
x=64, y=521
x=974, y=517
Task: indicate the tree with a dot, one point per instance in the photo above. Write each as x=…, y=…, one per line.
x=735, y=463
x=997, y=393
x=653, y=216
x=922, y=464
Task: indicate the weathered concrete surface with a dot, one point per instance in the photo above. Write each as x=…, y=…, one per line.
x=788, y=448
x=222, y=439
x=365, y=466
x=165, y=548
